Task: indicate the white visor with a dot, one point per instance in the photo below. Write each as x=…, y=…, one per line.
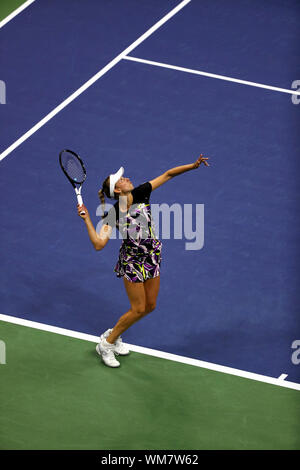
x=113, y=179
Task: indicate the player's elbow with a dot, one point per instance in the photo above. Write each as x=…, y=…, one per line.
x=98, y=245
x=102, y=237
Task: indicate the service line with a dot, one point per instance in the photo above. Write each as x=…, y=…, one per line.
x=211, y=75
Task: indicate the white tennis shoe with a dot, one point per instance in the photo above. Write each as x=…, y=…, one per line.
x=120, y=347
x=106, y=351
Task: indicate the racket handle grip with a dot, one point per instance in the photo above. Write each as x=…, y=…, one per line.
x=80, y=202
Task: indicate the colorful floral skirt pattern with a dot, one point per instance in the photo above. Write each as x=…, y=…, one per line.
x=139, y=262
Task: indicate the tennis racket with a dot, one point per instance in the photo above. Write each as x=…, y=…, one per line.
x=73, y=167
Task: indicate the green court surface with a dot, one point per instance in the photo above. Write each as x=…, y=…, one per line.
x=55, y=393
x=8, y=6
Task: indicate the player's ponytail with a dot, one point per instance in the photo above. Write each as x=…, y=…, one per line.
x=104, y=191
x=102, y=199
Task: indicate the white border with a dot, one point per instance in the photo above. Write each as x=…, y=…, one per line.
x=15, y=13
x=153, y=352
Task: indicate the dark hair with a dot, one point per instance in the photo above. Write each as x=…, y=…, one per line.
x=105, y=191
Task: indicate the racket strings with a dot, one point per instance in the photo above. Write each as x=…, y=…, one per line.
x=73, y=167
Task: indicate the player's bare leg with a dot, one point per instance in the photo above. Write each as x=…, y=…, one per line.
x=142, y=298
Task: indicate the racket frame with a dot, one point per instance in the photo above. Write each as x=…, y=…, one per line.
x=74, y=183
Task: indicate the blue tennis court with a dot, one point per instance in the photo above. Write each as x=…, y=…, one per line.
x=235, y=301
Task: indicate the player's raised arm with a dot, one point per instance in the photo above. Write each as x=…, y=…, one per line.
x=156, y=182
x=178, y=170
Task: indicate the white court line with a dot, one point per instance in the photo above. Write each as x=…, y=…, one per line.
x=282, y=377
x=15, y=13
x=211, y=75
x=152, y=352
x=92, y=80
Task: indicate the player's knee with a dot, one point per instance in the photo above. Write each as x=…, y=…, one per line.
x=150, y=307
x=139, y=310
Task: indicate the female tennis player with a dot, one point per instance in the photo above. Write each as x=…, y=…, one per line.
x=140, y=252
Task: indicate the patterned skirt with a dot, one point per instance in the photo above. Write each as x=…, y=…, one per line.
x=139, y=262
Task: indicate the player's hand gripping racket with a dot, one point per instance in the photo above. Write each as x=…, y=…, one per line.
x=73, y=167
